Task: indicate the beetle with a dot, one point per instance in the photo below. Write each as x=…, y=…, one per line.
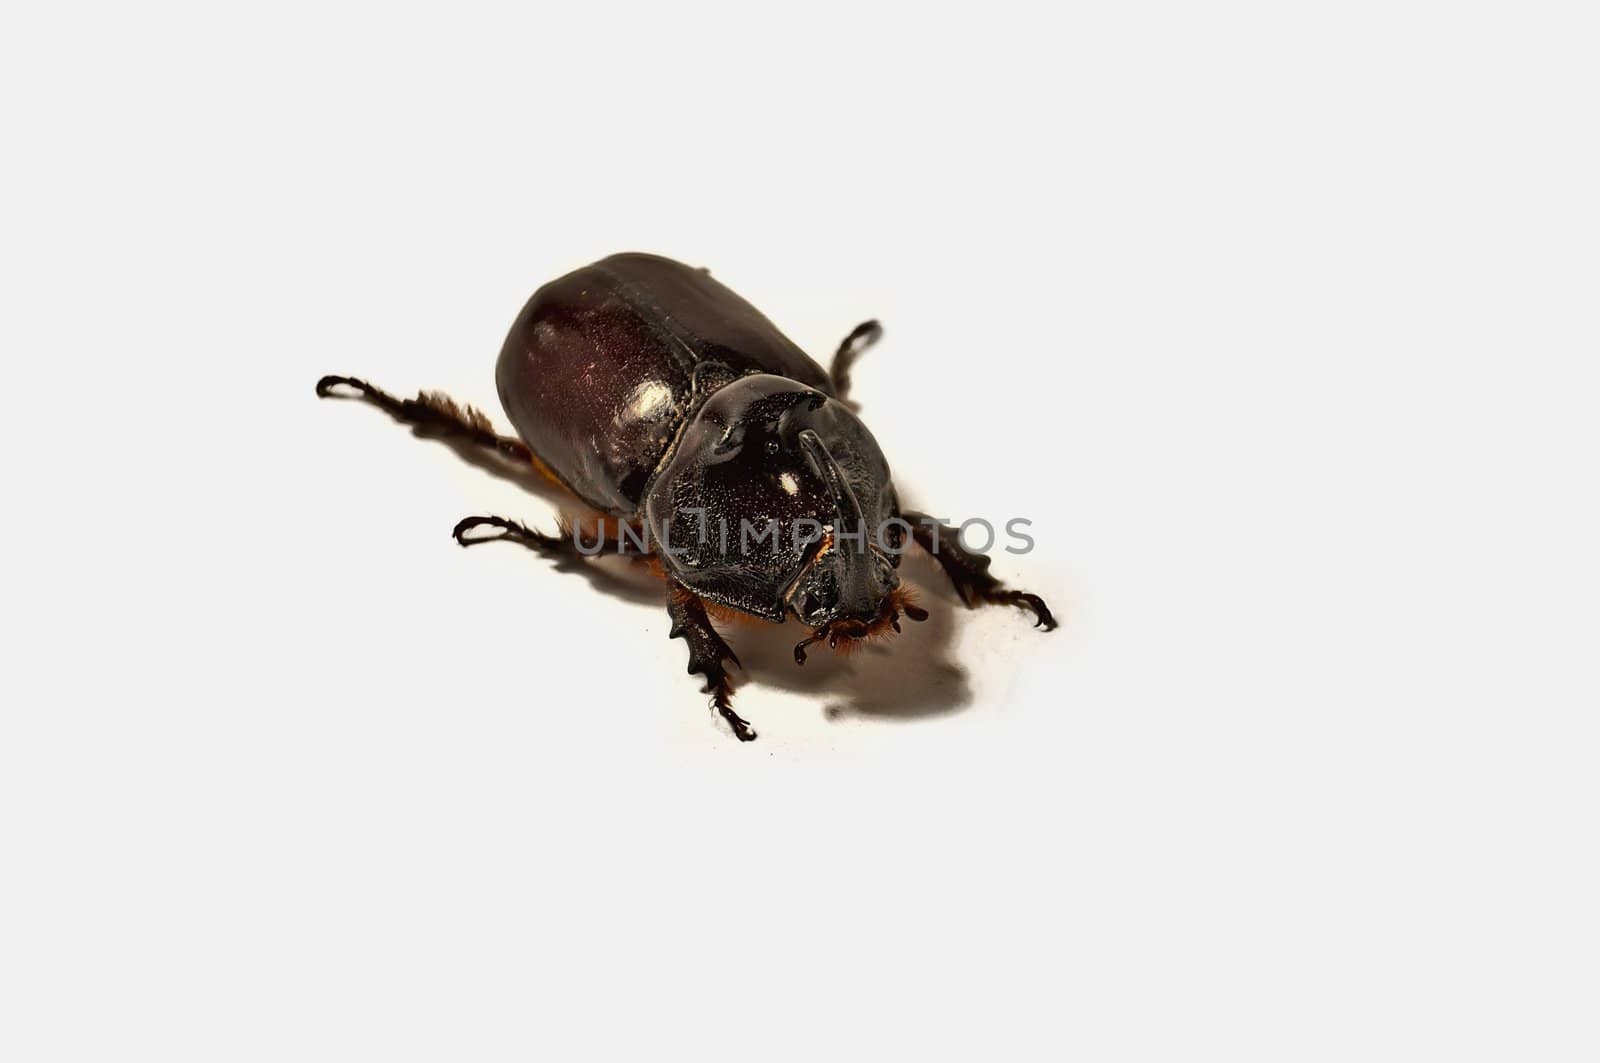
x=697, y=434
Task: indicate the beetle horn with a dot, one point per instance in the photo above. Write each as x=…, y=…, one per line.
x=860, y=581
x=844, y=499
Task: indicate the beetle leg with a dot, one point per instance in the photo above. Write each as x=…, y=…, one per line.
x=567, y=546
x=707, y=653
x=552, y=546
x=969, y=572
x=862, y=337
x=432, y=413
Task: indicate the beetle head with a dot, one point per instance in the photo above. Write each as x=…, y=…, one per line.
x=777, y=500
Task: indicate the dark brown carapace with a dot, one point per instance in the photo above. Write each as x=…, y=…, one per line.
x=690, y=433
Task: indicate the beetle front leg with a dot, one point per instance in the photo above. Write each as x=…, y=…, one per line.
x=707, y=653
x=969, y=572
x=431, y=412
x=861, y=338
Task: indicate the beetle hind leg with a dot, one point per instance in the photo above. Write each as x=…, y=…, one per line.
x=568, y=545
x=969, y=572
x=708, y=654
x=430, y=413
x=860, y=340
x=515, y=531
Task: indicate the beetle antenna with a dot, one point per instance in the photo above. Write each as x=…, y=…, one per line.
x=816, y=636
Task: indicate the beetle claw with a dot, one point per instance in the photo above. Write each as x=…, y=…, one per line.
x=740, y=726
x=326, y=385
x=1043, y=618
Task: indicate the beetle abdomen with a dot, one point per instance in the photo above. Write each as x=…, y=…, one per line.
x=597, y=373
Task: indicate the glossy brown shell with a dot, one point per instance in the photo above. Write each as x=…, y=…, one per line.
x=598, y=373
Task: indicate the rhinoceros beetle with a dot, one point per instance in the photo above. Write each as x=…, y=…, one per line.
x=698, y=437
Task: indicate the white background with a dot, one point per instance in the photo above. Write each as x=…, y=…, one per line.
x=1278, y=321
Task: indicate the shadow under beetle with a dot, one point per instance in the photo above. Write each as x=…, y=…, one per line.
x=702, y=440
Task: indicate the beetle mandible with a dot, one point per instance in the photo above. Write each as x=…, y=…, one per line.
x=692, y=429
